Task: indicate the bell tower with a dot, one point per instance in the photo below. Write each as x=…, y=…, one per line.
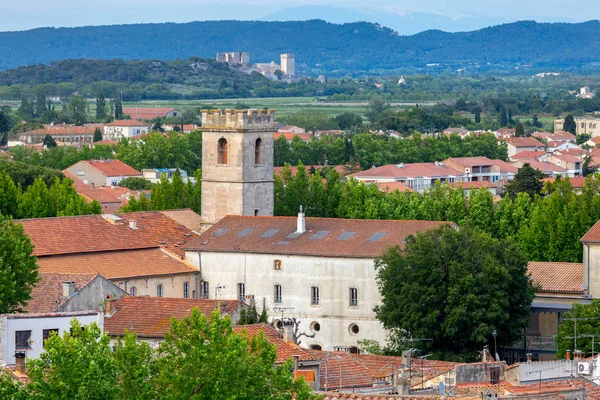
x=237, y=164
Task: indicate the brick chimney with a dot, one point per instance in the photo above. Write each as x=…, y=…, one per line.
x=68, y=288
x=568, y=355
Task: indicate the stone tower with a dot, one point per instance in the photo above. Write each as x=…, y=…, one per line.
x=237, y=164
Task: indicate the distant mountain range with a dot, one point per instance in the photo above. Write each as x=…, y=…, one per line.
x=409, y=23
x=321, y=47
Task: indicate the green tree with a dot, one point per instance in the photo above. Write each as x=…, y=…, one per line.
x=135, y=183
x=118, y=106
x=582, y=138
x=569, y=125
x=10, y=388
x=100, y=106
x=477, y=115
x=9, y=196
x=519, y=129
x=136, y=365
x=528, y=180
x=455, y=287
x=535, y=121
x=588, y=325
x=502, y=117
x=18, y=267
x=97, y=135
x=348, y=120
x=377, y=105
x=77, y=109
x=49, y=141
x=40, y=102
x=78, y=365
x=222, y=362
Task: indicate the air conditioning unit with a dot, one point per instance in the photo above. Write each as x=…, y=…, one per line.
x=584, y=368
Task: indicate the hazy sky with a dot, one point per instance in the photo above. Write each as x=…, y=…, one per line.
x=27, y=14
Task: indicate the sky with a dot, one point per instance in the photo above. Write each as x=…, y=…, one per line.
x=28, y=14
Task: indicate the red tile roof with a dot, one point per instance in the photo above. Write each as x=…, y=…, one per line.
x=47, y=294
x=567, y=158
x=275, y=235
x=106, y=141
x=285, y=350
x=128, y=122
x=558, y=136
x=544, y=166
x=342, y=370
x=185, y=217
x=474, y=185
x=593, y=234
x=577, y=182
x=389, y=187
x=113, y=168
x=150, y=317
x=118, y=264
x=147, y=113
x=111, y=198
x=413, y=170
x=62, y=130
x=290, y=136
x=529, y=154
x=92, y=233
x=524, y=142
x=557, y=277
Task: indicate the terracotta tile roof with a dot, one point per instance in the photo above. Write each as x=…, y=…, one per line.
x=106, y=141
x=505, y=167
x=62, y=130
x=413, y=170
x=544, y=166
x=150, y=317
x=529, y=154
x=380, y=366
x=118, y=264
x=113, y=168
x=389, y=187
x=524, y=142
x=577, y=182
x=128, y=122
x=47, y=294
x=290, y=136
x=147, y=113
x=557, y=277
x=275, y=235
x=285, y=350
x=111, y=198
x=340, y=169
x=558, y=136
x=567, y=158
x=471, y=161
x=93, y=233
x=290, y=129
x=474, y=185
x=185, y=217
x=593, y=234
x=342, y=370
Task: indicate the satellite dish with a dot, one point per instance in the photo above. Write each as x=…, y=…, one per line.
x=441, y=389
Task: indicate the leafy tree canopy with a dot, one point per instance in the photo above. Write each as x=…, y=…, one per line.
x=527, y=180
x=455, y=287
x=588, y=324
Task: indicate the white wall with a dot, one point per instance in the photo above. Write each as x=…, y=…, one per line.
x=26, y=322
x=333, y=276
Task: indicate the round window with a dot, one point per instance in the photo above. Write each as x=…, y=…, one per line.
x=315, y=326
x=353, y=329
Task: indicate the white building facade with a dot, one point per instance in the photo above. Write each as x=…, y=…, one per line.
x=26, y=333
x=125, y=129
x=318, y=271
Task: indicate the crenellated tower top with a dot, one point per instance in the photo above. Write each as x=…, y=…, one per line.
x=247, y=120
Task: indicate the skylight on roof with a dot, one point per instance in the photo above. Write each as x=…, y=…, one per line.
x=319, y=235
x=293, y=235
x=377, y=236
x=220, y=232
x=269, y=233
x=346, y=235
x=283, y=242
x=246, y=231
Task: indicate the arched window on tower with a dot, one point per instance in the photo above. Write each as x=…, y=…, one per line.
x=258, y=152
x=223, y=152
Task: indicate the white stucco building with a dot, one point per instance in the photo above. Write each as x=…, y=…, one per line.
x=319, y=271
x=25, y=333
x=118, y=130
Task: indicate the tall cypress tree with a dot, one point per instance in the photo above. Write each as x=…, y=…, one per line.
x=118, y=106
x=100, y=106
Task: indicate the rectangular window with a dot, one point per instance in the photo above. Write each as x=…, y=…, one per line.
x=46, y=334
x=186, y=290
x=22, y=339
x=353, y=297
x=314, y=296
x=159, y=290
x=205, y=289
x=277, y=265
x=241, y=292
x=277, y=294
x=80, y=172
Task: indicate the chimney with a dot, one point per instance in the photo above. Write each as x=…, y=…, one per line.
x=68, y=288
x=578, y=355
x=133, y=224
x=93, y=185
x=20, y=362
x=288, y=332
x=296, y=360
x=301, y=224
x=528, y=357
x=567, y=355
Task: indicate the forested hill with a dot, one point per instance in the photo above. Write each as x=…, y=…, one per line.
x=320, y=47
